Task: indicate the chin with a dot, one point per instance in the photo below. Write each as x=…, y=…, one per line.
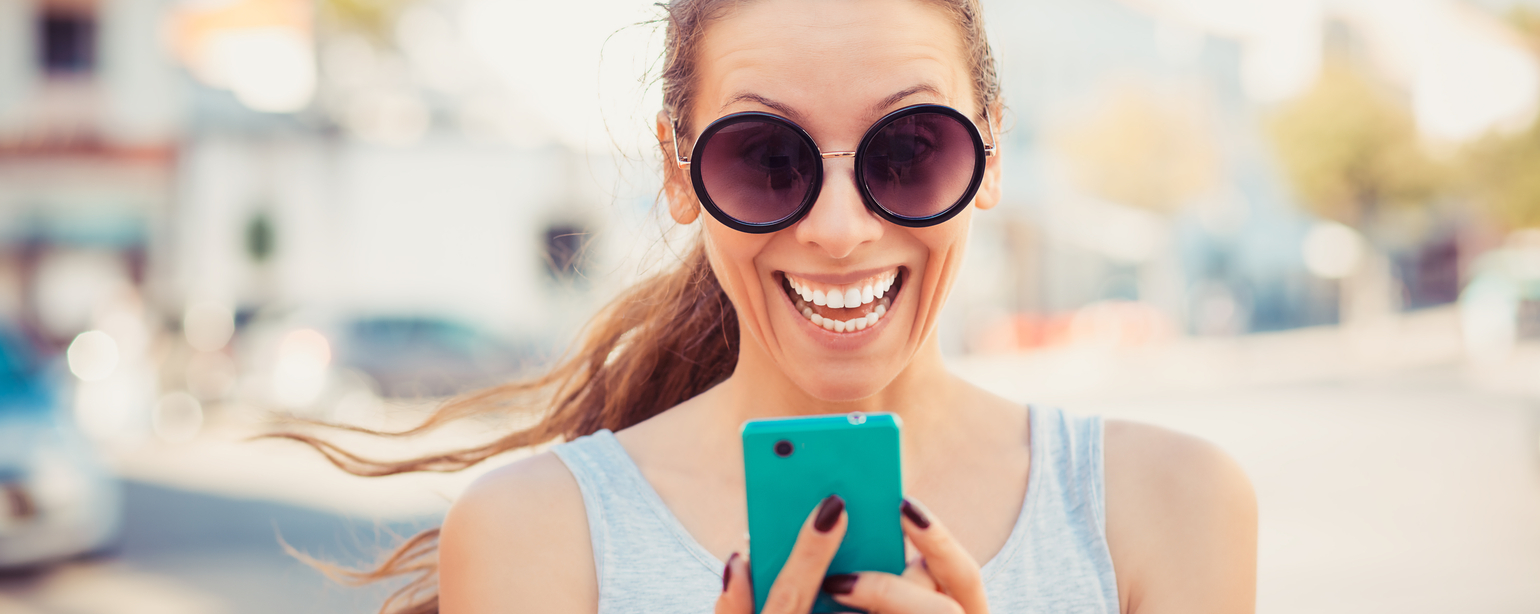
x=836, y=385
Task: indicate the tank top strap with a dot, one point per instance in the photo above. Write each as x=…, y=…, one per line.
x=644, y=559
x=1057, y=559
x=1072, y=448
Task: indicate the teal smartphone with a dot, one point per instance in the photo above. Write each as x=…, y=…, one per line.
x=792, y=464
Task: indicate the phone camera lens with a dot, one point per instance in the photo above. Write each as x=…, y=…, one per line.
x=783, y=448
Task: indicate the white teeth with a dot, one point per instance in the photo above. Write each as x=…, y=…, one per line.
x=846, y=297
x=883, y=285
x=846, y=326
x=836, y=300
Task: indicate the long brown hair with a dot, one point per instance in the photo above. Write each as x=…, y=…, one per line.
x=659, y=343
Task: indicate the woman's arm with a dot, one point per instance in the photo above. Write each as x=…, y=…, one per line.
x=517, y=541
x=1181, y=523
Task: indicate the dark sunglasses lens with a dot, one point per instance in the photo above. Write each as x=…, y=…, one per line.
x=920, y=165
x=757, y=172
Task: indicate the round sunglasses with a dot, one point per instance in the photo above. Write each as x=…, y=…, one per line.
x=759, y=172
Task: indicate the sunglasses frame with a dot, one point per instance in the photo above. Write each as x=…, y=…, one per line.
x=981, y=150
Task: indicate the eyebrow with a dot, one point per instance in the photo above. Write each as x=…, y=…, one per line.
x=791, y=113
x=784, y=108
x=923, y=88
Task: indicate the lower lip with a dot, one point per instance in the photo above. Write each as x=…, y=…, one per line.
x=840, y=341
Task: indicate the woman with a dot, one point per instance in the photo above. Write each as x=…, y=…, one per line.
x=643, y=509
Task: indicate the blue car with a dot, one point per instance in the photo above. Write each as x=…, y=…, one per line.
x=57, y=499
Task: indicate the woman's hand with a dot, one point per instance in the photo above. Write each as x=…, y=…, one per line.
x=945, y=580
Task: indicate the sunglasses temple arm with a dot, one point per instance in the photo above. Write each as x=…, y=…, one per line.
x=991, y=149
x=673, y=133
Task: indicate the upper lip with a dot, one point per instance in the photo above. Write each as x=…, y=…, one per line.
x=840, y=279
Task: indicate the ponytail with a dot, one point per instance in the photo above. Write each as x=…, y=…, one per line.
x=661, y=342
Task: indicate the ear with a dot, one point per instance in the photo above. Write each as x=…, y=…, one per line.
x=682, y=205
x=989, y=190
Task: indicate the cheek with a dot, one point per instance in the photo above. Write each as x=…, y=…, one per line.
x=733, y=256
x=944, y=243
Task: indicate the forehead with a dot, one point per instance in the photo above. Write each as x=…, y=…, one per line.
x=830, y=58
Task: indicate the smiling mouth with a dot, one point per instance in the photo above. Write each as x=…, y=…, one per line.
x=844, y=308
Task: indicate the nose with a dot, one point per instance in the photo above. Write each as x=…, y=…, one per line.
x=839, y=222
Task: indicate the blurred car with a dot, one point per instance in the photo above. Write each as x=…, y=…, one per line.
x=312, y=364
x=1501, y=303
x=57, y=499
x=423, y=356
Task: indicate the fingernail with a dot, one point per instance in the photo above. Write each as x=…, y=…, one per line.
x=840, y=584
x=913, y=513
x=727, y=572
x=828, y=513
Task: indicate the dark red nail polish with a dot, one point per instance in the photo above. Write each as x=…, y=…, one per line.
x=727, y=572
x=840, y=584
x=914, y=514
x=828, y=513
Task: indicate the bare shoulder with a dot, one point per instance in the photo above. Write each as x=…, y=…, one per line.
x=1181, y=522
x=517, y=540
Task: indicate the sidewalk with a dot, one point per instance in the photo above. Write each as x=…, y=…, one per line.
x=1416, y=340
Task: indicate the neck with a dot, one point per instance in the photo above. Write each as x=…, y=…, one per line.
x=922, y=394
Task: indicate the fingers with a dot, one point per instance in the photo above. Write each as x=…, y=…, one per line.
x=797, y=585
x=737, y=592
x=881, y=593
x=953, y=569
x=918, y=574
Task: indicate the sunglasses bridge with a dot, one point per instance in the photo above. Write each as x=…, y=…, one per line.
x=684, y=163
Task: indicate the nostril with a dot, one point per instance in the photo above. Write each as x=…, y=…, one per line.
x=840, y=220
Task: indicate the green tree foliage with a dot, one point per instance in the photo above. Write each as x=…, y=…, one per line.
x=1138, y=148
x=1527, y=22
x=372, y=18
x=1502, y=171
x=1350, y=149
x=1503, y=174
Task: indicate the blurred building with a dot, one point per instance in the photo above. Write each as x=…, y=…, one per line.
x=208, y=152
x=250, y=199
x=88, y=154
x=1139, y=170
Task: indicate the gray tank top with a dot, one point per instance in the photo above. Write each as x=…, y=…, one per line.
x=1055, y=560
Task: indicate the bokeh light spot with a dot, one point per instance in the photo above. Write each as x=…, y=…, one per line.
x=208, y=326
x=93, y=355
x=177, y=417
x=1332, y=250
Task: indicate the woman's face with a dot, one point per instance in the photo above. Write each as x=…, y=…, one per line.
x=834, y=68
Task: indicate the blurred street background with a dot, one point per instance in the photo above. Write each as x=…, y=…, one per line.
x=1307, y=230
